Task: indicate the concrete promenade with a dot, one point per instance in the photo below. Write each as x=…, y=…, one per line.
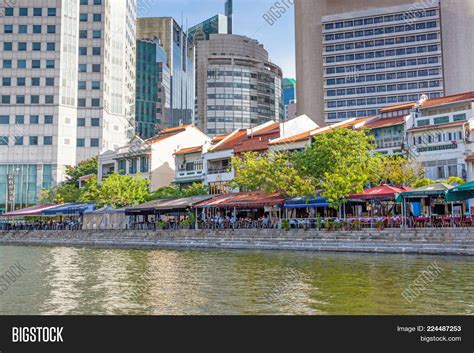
x=439, y=241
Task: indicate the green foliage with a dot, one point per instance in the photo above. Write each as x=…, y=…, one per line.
x=87, y=167
x=422, y=182
x=121, y=190
x=394, y=170
x=285, y=224
x=64, y=193
x=273, y=172
x=91, y=192
x=173, y=191
x=454, y=181
x=338, y=161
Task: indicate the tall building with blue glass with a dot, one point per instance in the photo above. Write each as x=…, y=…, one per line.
x=180, y=61
x=153, y=97
x=289, y=94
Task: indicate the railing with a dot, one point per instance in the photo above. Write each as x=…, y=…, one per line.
x=217, y=171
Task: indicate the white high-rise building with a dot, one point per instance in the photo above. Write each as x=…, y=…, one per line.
x=49, y=51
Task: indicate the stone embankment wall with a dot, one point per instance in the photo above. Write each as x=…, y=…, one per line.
x=440, y=241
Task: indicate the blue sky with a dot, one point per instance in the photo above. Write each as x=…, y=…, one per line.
x=278, y=38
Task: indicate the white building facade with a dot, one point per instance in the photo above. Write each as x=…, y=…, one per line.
x=45, y=65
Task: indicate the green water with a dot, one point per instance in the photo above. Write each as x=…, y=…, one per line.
x=89, y=281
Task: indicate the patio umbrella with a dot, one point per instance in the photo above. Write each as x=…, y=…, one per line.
x=461, y=192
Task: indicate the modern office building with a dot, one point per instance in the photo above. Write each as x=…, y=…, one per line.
x=153, y=99
x=65, y=92
x=214, y=25
x=237, y=86
x=354, y=57
x=106, y=78
x=289, y=97
x=180, y=61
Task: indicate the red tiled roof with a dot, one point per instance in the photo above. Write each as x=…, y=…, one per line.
x=448, y=99
x=218, y=139
x=230, y=141
x=429, y=127
x=270, y=128
x=398, y=107
x=189, y=150
x=295, y=138
x=160, y=138
x=244, y=200
x=385, y=122
x=173, y=130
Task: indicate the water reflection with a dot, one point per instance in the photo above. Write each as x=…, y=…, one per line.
x=87, y=281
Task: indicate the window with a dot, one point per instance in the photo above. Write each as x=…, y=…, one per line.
x=81, y=122
x=47, y=140
x=81, y=142
x=22, y=29
x=96, y=34
x=97, y=17
x=442, y=120
x=52, y=12
x=5, y=99
x=3, y=140
x=7, y=64
x=34, y=119
x=9, y=11
x=83, y=34
x=83, y=17
x=19, y=119
x=35, y=99
x=33, y=140
x=6, y=81
x=18, y=140
x=83, y=51
x=35, y=81
x=82, y=67
x=51, y=46
x=37, y=11
x=95, y=67
x=81, y=102
x=20, y=81
x=51, y=29
x=48, y=119
x=7, y=46
x=81, y=85
x=4, y=119
x=95, y=102
x=36, y=46
x=459, y=117
x=49, y=99
x=21, y=64
x=49, y=81
x=96, y=51
x=22, y=46
x=95, y=84
x=35, y=64
x=95, y=122
x=23, y=11
x=36, y=28
x=7, y=29
x=50, y=64
x=94, y=142
x=20, y=99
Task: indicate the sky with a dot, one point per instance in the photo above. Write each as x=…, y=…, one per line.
x=278, y=38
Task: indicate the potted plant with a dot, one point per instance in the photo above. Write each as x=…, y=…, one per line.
x=380, y=225
x=160, y=224
x=285, y=224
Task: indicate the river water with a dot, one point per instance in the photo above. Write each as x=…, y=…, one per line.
x=92, y=281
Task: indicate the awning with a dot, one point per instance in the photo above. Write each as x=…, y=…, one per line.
x=30, y=211
x=167, y=204
x=244, y=200
x=384, y=192
x=69, y=209
x=304, y=202
x=436, y=189
x=106, y=210
x=461, y=192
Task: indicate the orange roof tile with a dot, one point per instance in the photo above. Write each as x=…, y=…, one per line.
x=295, y=138
x=218, y=138
x=270, y=128
x=230, y=141
x=385, y=122
x=160, y=138
x=429, y=127
x=176, y=129
x=398, y=107
x=448, y=99
x=189, y=150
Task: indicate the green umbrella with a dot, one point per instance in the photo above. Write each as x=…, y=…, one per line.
x=436, y=189
x=461, y=192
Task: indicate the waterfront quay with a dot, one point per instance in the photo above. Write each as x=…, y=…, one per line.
x=432, y=241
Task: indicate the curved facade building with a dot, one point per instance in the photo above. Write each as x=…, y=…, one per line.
x=238, y=87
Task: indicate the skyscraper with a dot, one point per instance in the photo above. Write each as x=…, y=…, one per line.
x=67, y=89
x=237, y=86
x=214, y=25
x=180, y=56
x=289, y=95
x=229, y=12
x=356, y=57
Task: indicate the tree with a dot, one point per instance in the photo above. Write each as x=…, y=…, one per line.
x=173, y=191
x=91, y=192
x=422, y=182
x=272, y=172
x=87, y=167
x=339, y=163
x=64, y=193
x=120, y=191
x=453, y=180
x=394, y=170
